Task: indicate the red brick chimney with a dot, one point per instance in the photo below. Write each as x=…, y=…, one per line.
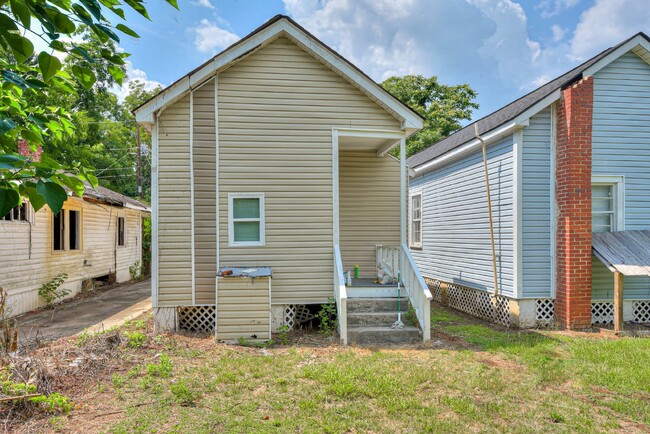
x=26, y=151
x=573, y=197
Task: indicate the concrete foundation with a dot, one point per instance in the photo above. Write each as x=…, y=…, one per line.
x=523, y=313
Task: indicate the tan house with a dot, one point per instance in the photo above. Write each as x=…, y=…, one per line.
x=272, y=178
x=94, y=238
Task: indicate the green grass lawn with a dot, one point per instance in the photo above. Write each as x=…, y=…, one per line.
x=471, y=377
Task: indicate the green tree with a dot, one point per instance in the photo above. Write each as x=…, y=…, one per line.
x=26, y=77
x=443, y=107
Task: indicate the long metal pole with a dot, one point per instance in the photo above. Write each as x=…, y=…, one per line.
x=139, y=154
x=489, y=204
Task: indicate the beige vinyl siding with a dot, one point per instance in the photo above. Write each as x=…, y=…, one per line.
x=174, y=210
x=205, y=226
x=29, y=264
x=277, y=109
x=369, y=207
x=243, y=309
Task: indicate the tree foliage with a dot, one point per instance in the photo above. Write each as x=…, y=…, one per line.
x=443, y=107
x=30, y=81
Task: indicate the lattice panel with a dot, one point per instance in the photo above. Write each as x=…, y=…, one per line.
x=295, y=314
x=479, y=303
x=435, y=287
x=197, y=318
x=602, y=312
x=641, y=311
x=544, y=311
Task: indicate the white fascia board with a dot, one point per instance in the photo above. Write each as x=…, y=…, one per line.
x=635, y=44
x=538, y=107
x=469, y=147
x=409, y=119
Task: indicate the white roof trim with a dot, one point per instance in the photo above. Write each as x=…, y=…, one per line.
x=489, y=137
x=639, y=45
x=145, y=113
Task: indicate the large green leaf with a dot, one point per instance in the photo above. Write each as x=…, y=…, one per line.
x=20, y=46
x=93, y=7
x=117, y=73
x=174, y=3
x=8, y=199
x=6, y=125
x=72, y=183
x=138, y=7
x=85, y=76
x=53, y=194
x=48, y=64
x=124, y=29
x=20, y=9
x=35, y=199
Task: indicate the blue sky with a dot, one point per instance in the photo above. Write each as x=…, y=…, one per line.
x=502, y=48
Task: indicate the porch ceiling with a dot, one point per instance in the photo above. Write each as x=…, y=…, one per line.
x=365, y=143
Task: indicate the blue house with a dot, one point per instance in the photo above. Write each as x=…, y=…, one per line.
x=567, y=164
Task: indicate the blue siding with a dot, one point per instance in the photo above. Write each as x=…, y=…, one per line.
x=456, y=234
x=621, y=146
x=536, y=207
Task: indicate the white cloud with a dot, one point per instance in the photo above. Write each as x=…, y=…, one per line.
x=134, y=74
x=558, y=32
x=210, y=38
x=607, y=23
x=551, y=8
x=203, y=3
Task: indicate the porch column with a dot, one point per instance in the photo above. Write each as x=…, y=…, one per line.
x=403, y=188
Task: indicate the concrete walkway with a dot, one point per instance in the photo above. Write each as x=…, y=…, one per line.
x=107, y=309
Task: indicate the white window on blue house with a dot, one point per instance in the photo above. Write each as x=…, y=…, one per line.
x=607, y=204
x=416, y=219
x=245, y=219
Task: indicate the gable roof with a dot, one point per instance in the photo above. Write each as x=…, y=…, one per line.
x=518, y=107
x=280, y=25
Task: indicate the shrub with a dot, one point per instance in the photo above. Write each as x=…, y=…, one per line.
x=327, y=317
x=51, y=291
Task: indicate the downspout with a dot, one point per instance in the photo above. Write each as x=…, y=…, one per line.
x=489, y=204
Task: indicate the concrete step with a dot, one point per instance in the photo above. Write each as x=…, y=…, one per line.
x=366, y=304
x=370, y=319
x=383, y=335
x=376, y=291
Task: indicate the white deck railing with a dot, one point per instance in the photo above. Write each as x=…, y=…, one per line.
x=341, y=295
x=418, y=291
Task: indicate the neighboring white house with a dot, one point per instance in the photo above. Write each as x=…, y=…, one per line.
x=97, y=237
x=569, y=159
x=271, y=177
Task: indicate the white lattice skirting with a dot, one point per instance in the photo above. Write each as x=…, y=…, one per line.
x=602, y=312
x=197, y=318
x=641, y=311
x=473, y=301
x=544, y=311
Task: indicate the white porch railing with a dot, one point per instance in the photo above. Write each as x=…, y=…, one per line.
x=340, y=293
x=418, y=291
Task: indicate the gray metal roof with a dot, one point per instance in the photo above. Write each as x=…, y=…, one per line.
x=246, y=272
x=627, y=252
x=509, y=112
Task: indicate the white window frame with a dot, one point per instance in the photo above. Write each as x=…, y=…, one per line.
x=231, y=220
x=618, y=190
x=413, y=194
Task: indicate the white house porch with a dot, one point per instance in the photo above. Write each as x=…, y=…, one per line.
x=370, y=235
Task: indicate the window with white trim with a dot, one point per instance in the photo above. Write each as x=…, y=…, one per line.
x=416, y=220
x=245, y=219
x=607, y=204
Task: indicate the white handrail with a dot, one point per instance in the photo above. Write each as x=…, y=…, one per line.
x=341, y=295
x=419, y=295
